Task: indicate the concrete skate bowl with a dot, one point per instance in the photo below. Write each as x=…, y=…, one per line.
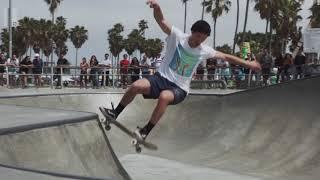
x=268, y=133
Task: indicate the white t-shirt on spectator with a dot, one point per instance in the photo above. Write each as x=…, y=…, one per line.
x=222, y=63
x=13, y=62
x=181, y=61
x=145, y=62
x=158, y=62
x=106, y=62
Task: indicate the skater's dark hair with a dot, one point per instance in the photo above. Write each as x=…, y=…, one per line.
x=201, y=26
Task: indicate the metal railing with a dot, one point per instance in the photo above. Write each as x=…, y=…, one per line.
x=102, y=77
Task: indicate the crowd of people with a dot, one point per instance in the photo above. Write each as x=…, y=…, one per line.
x=128, y=69
x=104, y=73
x=20, y=72
x=274, y=69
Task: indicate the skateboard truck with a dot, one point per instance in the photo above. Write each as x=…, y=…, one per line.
x=136, y=141
x=107, y=122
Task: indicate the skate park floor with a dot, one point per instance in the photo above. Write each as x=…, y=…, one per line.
x=267, y=133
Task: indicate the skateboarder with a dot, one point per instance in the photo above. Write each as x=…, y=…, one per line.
x=170, y=85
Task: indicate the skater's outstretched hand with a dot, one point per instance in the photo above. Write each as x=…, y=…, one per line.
x=153, y=4
x=254, y=66
x=157, y=13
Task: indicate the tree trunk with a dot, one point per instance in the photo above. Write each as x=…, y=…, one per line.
x=245, y=22
x=214, y=33
x=266, y=32
x=284, y=46
x=270, y=36
x=236, y=32
x=267, y=28
x=185, y=16
x=76, y=69
x=52, y=42
x=30, y=51
x=202, y=15
x=77, y=56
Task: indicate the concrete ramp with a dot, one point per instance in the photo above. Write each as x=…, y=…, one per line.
x=268, y=133
x=56, y=142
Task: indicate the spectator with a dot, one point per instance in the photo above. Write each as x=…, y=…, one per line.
x=299, y=62
x=124, y=67
x=145, y=65
x=83, y=73
x=135, y=69
x=238, y=75
x=105, y=65
x=200, y=72
x=248, y=73
x=308, y=68
x=2, y=68
x=12, y=64
x=279, y=65
x=37, y=70
x=158, y=62
x=62, y=64
x=266, y=62
x=25, y=66
x=287, y=63
x=94, y=72
x=211, y=68
x=223, y=70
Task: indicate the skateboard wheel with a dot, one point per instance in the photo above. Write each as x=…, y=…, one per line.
x=107, y=127
x=138, y=149
x=134, y=142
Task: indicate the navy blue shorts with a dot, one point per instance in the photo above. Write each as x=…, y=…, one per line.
x=159, y=83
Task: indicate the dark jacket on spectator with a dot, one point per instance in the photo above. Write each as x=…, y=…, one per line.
x=37, y=66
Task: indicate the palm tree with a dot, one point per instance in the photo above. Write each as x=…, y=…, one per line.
x=245, y=22
x=26, y=25
x=116, y=42
x=315, y=16
x=53, y=5
x=286, y=19
x=264, y=8
x=185, y=14
x=216, y=8
x=143, y=25
x=236, y=31
x=18, y=42
x=267, y=9
x=203, y=6
x=78, y=36
x=60, y=36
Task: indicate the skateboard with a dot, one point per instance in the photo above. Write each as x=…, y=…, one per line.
x=136, y=141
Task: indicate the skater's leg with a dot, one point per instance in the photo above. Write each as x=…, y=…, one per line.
x=165, y=98
x=141, y=86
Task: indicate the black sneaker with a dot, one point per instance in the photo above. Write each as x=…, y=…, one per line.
x=139, y=134
x=108, y=113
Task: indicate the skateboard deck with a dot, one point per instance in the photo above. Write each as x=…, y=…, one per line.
x=136, y=141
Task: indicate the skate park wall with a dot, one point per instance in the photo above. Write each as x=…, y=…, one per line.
x=270, y=133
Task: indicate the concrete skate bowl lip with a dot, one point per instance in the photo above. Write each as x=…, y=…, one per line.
x=21, y=129
x=250, y=127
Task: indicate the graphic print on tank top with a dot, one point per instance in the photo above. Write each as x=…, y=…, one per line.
x=183, y=62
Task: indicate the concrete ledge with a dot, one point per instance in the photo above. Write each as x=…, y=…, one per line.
x=20, y=118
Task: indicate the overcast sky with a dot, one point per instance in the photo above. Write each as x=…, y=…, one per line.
x=98, y=16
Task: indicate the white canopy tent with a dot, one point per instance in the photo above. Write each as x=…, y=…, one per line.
x=311, y=41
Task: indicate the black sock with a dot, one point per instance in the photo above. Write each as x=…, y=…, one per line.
x=147, y=128
x=119, y=109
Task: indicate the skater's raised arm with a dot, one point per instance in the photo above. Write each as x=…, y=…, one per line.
x=253, y=65
x=157, y=13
